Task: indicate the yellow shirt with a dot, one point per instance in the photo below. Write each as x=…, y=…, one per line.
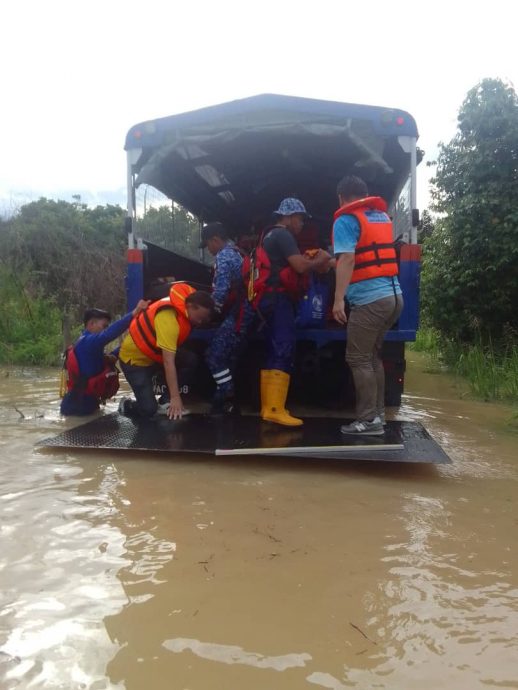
x=167, y=331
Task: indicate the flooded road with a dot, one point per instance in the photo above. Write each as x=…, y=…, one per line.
x=151, y=573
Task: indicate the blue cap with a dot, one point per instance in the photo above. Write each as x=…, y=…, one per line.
x=290, y=206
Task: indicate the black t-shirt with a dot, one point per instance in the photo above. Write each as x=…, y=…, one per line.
x=279, y=244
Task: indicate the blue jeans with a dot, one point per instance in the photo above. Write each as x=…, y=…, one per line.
x=278, y=312
x=141, y=381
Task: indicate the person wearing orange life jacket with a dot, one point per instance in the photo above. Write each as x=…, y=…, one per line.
x=91, y=375
x=366, y=272
x=277, y=287
x=152, y=343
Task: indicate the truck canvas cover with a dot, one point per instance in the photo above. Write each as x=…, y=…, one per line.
x=232, y=162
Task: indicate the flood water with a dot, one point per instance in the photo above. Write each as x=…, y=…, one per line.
x=150, y=573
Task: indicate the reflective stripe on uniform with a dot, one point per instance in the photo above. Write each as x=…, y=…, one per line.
x=222, y=376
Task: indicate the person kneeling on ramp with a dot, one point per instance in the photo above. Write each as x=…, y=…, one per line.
x=153, y=341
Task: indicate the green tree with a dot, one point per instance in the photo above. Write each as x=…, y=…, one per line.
x=171, y=227
x=426, y=226
x=470, y=268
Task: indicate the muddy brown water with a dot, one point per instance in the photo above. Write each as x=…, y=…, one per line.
x=147, y=572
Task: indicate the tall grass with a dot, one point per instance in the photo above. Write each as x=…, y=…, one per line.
x=491, y=371
x=30, y=326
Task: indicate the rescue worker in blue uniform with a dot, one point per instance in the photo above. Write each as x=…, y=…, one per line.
x=280, y=269
x=230, y=303
x=91, y=374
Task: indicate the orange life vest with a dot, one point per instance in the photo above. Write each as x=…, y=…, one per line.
x=142, y=327
x=375, y=254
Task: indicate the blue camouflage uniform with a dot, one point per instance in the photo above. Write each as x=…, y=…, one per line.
x=229, y=298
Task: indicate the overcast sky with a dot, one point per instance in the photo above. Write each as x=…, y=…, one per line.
x=77, y=74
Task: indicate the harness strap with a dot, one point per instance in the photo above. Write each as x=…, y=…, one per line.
x=374, y=262
x=374, y=247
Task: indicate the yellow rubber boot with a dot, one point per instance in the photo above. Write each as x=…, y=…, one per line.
x=276, y=384
x=266, y=375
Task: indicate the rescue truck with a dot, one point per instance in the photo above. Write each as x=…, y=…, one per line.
x=234, y=163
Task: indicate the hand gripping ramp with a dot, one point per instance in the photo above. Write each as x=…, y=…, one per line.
x=248, y=435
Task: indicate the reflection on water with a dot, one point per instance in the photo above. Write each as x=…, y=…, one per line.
x=135, y=571
x=231, y=654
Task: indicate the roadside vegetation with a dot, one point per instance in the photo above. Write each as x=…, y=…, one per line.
x=469, y=283
x=58, y=258
x=491, y=372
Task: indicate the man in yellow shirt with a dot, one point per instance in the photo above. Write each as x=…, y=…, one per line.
x=153, y=341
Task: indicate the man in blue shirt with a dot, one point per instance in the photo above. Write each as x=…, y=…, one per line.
x=366, y=273
x=228, y=293
x=88, y=358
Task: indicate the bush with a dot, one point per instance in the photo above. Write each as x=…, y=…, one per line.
x=57, y=260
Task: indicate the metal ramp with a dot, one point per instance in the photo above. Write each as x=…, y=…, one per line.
x=320, y=437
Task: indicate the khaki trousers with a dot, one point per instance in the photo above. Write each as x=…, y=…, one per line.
x=366, y=330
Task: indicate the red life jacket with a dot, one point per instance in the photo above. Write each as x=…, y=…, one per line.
x=101, y=386
x=142, y=327
x=375, y=254
x=260, y=277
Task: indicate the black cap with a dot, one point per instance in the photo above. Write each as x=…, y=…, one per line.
x=212, y=230
x=96, y=314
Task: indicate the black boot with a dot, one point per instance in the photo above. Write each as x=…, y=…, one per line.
x=224, y=406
